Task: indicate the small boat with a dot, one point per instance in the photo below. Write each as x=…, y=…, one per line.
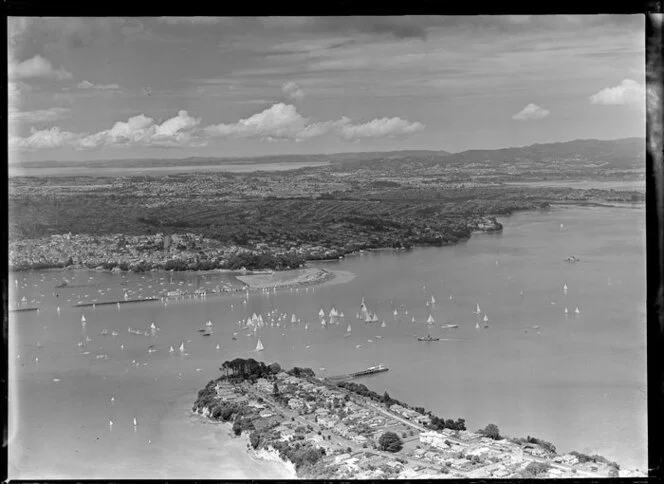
x=450, y=326
x=323, y=322
x=321, y=313
x=396, y=313
x=477, y=325
x=202, y=330
x=430, y=319
x=576, y=311
x=217, y=347
x=486, y=318
x=83, y=320
x=207, y=334
x=104, y=332
x=259, y=345
x=171, y=350
x=349, y=329
x=293, y=319
x=382, y=325
x=428, y=337
x=566, y=311
x=371, y=318
x=152, y=326
x=565, y=288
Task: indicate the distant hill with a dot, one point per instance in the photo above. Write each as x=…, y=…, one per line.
x=621, y=153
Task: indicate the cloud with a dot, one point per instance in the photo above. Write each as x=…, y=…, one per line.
x=142, y=130
x=532, y=111
x=138, y=130
x=191, y=20
x=627, y=92
x=380, y=128
x=42, y=139
x=39, y=115
x=283, y=122
x=103, y=87
x=293, y=90
x=37, y=67
x=280, y=121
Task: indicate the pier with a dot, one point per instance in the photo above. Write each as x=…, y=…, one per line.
x=106, y=303
x=20, y=310
x=368, y=371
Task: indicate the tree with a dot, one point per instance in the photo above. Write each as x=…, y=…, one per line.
x=275, y=389
x=390, y=442
x=491, y=431
x=237, y=427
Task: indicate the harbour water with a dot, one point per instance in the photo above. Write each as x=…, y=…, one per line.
x=577, y=380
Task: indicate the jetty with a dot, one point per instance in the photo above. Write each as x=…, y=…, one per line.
x=20, y=310
x=122, y=301
x=368, y=371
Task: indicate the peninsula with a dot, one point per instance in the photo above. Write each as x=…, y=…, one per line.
x=343, y=430
x=280, y=220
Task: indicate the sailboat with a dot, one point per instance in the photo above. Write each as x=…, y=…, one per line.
x=182, y=347
x=396, y=313
x=349, y=329
x=293, y=319
x=306, y=325
x=576, y=311
x=259, y=345
x=477, y=325
x=323, y=322
x=171, y=350
x=566, y=311
x=321, y=313
x=358, y=316
x=430, y=319
x=486, y=318
x=433, y=300
x=371, y=318
x=478, y=311
x=565, y=288
x=382, y=325
x=152, y=326
x=412, y=320
x=341, y=314
x=217, y=346
x=83, y=318
x=208, y=324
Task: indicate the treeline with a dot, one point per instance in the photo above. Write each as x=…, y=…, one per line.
x=248, y=369
x=583, y=458
x=436, y=422
x=302, y=454
x=548, y=446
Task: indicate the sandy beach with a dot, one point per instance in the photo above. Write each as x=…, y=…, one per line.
x=293, y=278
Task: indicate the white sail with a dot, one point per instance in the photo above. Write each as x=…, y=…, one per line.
x=576, y=311
x=477, y=325
x=83, y=318
x=357, y=315
x=259, y=345
x=566, y=311
x=323, y=322
x=217, y=346
x=367, y=318
x=306, y=325
x=396, y=313
x=135, y=422
x=321, y=313
x=382, y=325
x=478, y=311
x=565, y=288
x=182, y=346
x=349, y=329
x=152, y=326
x=293, y=319
x=331, y=313
x=171, y=350
x=433, y=300
x=430, y=320
x=412, y=320
x=341, y=314
x=208, y=324
x=486, y=318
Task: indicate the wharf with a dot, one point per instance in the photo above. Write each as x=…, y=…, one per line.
x=368, y=371
x=20, y=310
x=106, y=303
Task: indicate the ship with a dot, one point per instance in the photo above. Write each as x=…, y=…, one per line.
x=428, y=337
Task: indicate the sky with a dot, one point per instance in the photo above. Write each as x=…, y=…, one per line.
x=177, y=87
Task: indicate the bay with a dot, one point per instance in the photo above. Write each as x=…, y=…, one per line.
x=578, y=381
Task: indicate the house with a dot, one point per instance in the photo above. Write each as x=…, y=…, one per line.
x=433, y=439
x=295, y=404
x=569, y=459
x=327, y=422
x=266, y=414
x=264, y=385
x=360, y=439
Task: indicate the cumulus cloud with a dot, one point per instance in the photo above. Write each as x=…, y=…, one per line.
x=292, y=90
x=380, y=128
x=37, y=67
x=627, y=92
x=531, y=111
x=103, y=87
x=138, y=130
x=191, y=20
x=39, y=115
x=142, y=130
x=42, y=139
x=283, y=122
